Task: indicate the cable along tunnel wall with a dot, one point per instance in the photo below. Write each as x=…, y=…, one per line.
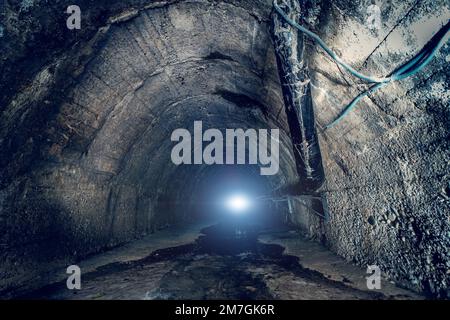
x=386, y=163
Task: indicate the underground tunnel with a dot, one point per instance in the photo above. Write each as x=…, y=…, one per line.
x=89, y=117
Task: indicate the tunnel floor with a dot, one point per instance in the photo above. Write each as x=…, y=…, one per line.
x=223, y=263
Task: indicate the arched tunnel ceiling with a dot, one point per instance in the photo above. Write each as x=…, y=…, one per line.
x=87, y=135
x=163, y=70
x=108, y=162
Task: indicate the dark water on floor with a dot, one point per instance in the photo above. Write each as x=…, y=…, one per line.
x=225, y=262
x=217, y=265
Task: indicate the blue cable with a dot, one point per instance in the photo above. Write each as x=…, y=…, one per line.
x=413, y=66
x=327, y=49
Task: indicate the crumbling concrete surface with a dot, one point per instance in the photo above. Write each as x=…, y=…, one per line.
x=387, y=162
x=86, y=138
x=86, y=118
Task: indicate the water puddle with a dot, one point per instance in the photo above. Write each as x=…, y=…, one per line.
x=225, y=262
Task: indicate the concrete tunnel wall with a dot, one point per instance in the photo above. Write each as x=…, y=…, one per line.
x=87, y=128
x=106, y=176
x=387, y=163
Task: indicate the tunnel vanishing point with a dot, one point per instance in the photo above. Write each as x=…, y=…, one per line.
x=87, y=117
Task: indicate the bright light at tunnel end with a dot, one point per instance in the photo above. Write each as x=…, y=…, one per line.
x=238, y=203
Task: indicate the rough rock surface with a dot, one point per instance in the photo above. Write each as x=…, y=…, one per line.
x=387, y=163
x=86, y=118
x=96, y=171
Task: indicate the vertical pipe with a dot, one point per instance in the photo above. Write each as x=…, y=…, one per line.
x=294, y=77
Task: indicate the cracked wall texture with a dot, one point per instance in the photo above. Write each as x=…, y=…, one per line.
x=86, y=119
x=96, y=172
x=387, y=163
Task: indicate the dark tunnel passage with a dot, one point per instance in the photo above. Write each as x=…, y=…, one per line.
x=221, y=183
x=88, y=176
